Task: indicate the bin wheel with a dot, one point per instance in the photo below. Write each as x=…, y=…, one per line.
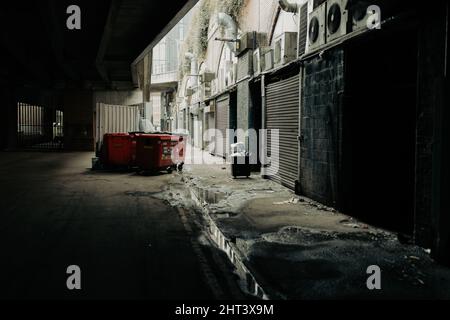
x=180, y=168
x=169, y=170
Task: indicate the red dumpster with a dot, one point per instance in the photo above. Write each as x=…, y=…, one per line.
x=158, y=152
x=119, y=150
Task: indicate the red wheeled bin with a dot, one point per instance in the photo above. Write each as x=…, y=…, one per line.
x=160, y=152
x=119, y=150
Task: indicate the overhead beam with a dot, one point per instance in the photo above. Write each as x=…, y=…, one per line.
x=56, y=38
x=106, y=38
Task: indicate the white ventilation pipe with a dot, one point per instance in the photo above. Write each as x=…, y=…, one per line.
x=288, y=6
x=230, y=26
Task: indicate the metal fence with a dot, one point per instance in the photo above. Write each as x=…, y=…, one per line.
x=39, y=127
x=116, y=119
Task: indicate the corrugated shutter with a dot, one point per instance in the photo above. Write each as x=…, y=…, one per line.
x=222, y=124
x=116, y=119
x=282, y=113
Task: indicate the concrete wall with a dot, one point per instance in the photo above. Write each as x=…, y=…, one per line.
x=8, y=120
x=78, y=120
x=258, y=15
x=125, y=98
x=323, y=80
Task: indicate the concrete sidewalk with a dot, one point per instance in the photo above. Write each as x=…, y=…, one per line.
x=289, y=247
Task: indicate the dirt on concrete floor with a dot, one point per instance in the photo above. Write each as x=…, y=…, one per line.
x=299, y=249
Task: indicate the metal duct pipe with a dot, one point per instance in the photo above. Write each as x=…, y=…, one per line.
x=288, y=6
x=230, y=25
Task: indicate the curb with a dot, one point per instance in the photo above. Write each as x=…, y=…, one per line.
x=248, y=281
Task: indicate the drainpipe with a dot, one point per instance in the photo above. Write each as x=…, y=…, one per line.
x=263, y=138
x=230, y=25
x=288, y=6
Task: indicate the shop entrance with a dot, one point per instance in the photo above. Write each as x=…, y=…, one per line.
x=379, y=130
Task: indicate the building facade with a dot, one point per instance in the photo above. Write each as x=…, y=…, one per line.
x=356, y=90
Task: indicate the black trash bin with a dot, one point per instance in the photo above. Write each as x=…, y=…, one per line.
x=240, y=166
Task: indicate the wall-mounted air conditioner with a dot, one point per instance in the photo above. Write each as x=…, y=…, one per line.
x=259, y=61
x=205, y=90
x=268, y=60
x=360, y=15
x=316, y=27
x=250, y=41
x=337, y=18
x=207, y=77
x=214, y=86
x=285, y=48
x=189, y=92
x=303, y=29
x=212, y=106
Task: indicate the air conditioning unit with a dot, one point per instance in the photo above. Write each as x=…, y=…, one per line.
x=212, y=106
x=337, y=18
x=206, y=90
x=303, y=30
x=316, y=27
x=268, y=60
x=250, y=41
x=259, y=61
x=189, y=92
x=207, y=77
x=285, y=48
x=360, y=15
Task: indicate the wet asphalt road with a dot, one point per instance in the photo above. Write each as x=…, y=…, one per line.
x=55, y=213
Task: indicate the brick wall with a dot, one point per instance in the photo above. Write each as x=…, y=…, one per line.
x=320, y=132
x=243, y=105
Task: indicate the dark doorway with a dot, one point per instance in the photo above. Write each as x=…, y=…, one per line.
x=379, y=130
x=233, y=110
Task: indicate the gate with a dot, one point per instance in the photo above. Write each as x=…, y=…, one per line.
x=39, y=127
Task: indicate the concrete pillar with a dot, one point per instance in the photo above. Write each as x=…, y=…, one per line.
x=78, y=120
x=8, y=124
x=432, y=227
x=243, y=105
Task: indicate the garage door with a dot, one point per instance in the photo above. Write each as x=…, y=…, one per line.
x=282, y=113
x=222, y=125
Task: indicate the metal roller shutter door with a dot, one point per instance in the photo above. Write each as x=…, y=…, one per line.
x=282, y=113
x=222, y=124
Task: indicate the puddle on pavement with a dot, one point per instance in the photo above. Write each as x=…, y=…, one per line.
x=141, y=194
x=298, y=235
x=211, y=196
